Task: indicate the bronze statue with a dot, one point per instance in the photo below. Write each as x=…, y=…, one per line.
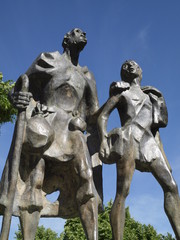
x=55, y=143
x=60, y=102
x=137, y=143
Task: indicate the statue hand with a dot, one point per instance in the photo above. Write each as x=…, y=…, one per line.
x=20, y=100
x=104, y=149
x=20, y=97
x=122, y=85
x=77, y=122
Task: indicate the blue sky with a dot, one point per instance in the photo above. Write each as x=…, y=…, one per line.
x=117, y=30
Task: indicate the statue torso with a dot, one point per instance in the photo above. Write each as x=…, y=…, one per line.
x=63, y=85
x=135, y=108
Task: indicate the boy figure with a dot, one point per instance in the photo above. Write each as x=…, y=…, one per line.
x=137, y=143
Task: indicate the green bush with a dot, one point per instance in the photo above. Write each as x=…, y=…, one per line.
x=7, y=112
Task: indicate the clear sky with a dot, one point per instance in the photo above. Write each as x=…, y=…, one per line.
x=117, y=30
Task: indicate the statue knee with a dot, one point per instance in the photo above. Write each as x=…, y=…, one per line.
x=84, y=195
x=123, y=188
x=126, y=190
x=173, y=187
x=86, y=189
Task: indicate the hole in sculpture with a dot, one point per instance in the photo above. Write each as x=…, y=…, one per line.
x=113, y=121
x=53, y=196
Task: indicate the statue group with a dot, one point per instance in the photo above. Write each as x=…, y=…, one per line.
x=60, y=141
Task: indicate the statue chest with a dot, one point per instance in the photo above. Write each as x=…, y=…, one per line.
x=66, y=89
x=136, y=108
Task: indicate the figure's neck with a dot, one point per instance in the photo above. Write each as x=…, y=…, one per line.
x=72, y=55
x=135, y=82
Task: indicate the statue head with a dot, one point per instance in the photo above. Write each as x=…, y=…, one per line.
x=75, y=37
x=131, y=70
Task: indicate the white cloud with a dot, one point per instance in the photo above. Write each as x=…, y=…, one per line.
x=142, y=36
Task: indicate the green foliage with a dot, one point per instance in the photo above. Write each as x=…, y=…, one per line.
x=7, y=112
x=104, y=228
x=73, y=230
x=18, y=234
x=133, y=229
x=41, y=234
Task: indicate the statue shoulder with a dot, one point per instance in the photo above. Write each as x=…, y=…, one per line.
x=152, y=90
x=50, y=55
x=42, y=70
x=45, y=61
x=89, y=75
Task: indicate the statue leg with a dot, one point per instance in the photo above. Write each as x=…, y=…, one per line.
x=87, y=197
x=89, y=218
x=29, y=222
x=125, y=169
x=161, y=172
x=31, y=201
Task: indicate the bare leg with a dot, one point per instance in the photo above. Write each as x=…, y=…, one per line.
x=29, y=223
x=163, y=175
x=87, y=200
x=32, y=202
x=89, y=218
x=87, y=197
x=125, y=170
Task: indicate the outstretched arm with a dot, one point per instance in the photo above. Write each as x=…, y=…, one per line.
x=116, y=89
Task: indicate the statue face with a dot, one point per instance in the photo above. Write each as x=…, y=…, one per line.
x=130, y=70
x=78, y=37
x=75, y=38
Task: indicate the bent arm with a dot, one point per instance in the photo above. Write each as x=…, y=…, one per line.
x=107, y=108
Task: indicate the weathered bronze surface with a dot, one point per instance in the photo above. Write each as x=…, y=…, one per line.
x=56, y=153
x=137, y=143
